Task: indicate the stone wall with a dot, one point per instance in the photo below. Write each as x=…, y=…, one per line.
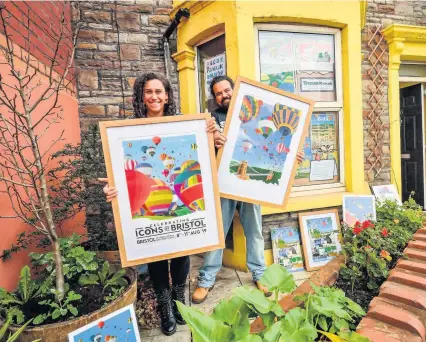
x=117, y=43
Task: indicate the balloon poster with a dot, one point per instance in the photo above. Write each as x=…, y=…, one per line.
x=119, y=326
x=168, y=202
x=320, y=233
x=287, y=248
x=358, y=208
x=265, y=131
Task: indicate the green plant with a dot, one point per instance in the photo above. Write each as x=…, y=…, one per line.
x=326, y=309
x=12, y=337
x=58, y=307
x=105, y=277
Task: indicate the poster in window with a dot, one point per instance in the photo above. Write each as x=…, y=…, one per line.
x=214, y=66
x=167, y=203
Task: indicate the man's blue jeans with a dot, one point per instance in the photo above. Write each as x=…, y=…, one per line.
x=250, y=216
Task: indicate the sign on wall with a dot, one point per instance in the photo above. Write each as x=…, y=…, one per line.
x=214, y=66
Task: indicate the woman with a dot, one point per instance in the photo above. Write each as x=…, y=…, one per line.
x=153, y=97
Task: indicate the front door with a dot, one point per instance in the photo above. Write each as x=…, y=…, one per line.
x=411, y=130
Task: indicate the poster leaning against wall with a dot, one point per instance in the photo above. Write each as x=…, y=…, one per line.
x=265, y=129
x=165, y=172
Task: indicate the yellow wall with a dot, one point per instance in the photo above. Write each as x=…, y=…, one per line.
x=237, y=19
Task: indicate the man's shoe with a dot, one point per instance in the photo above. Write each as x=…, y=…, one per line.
x=263, y=288
x=200, y=294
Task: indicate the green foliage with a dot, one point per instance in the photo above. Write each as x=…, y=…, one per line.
x=105, y=277
x=58, y=308
x=12, y=337
x=327, y=309
x=373, y=248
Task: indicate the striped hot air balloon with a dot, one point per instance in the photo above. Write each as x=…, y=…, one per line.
x=188, y=186
x=151, y=150
x=194, y=146
x=160, y=198
x=169, y=162
x=281, y=148
x=246, y=145
x=250, y=108
x=130, y=164
x=286, y=119
x=145, y=168
x=175, y=174
x=266, y=127
x=163, y=156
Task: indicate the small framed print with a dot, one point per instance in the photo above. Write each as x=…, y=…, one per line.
x=321, y=235
x=121, y=325
x=165, y=172
x=287, y=248
x=358, y=208
x=386, y=192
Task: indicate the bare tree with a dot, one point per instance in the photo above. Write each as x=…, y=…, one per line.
x=29, y=111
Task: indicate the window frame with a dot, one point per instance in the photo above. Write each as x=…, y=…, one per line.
x=330, y=106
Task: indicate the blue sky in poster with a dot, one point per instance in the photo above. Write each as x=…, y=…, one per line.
x=119, y=328
x=178, y=147
x=257, y=156
x=323, y=225
x=287, y=234
x=359, y=207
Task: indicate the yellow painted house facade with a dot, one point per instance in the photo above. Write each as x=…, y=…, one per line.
x=364, y=100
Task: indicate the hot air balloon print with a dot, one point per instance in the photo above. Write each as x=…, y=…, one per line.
x=139, y=187
x=129, y=144
x=144, y=158
x=160, y=198
x=144, y=149
x=101, y=324
x=188, y=186
x=286, y=119
x=169, y=162
x=156, y=140
x=165, y=172
x=271, y=155
x=250, y=108
x=130, y=164
x=145, y=168
x=246, y=145
x=96, y=338
x=266, y=127
x=163, y=156
x=281, y=148
x=128, y=157
x=151, y=151
x=175, y=173
x=194, y=146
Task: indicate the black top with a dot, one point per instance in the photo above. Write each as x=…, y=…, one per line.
x=220, y=115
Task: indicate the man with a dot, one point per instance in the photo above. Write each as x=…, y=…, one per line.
x=250, y=214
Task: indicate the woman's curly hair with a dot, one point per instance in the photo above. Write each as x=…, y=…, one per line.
x=140, y=110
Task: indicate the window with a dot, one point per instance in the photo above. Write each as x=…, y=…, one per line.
x=306, y=60
x=210, y=63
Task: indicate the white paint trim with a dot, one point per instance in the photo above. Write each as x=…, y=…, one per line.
x=412, y=79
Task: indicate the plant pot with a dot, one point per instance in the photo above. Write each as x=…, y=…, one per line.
x=113, y=257
x=57, y=332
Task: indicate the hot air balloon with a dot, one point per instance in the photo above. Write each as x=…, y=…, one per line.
x=130, y=145
x=246, y=145
x=271, y=155
x=160, y=198
x=144, y=158
x=266, y=127
x=97, y=337
x=169, y=162
x=165, y=172
x=286, y=119
x=139, y=186
x=189, y=187
x=281, y=148
x=175, y=173
x=156, y=140
x=265, y=148
x=163, y=156
x=194, y=146
x=151, y=150
x=128, y=157
x=130, y=164
x=144, y=149
x=101, y=324
x=145, y=168
x=250, y=108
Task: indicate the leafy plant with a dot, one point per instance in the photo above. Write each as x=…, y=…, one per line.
x=326, y=309
x=105, y=277
x=13, y=337
x=58, y=308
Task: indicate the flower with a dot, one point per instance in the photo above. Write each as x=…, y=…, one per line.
x=357, y=230
x=367, y=224
x=357, y=224
x=386, y=255
x=396, y=221
x=384, y=232
x=368, y=248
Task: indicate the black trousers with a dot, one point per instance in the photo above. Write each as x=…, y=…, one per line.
x=159, y=272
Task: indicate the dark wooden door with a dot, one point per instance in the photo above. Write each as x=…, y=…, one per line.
x=411, y=130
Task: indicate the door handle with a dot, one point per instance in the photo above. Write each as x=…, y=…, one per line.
x=405, y=156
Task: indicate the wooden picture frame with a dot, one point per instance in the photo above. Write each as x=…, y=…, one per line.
x=386, y=192
x=358, y=208
x=287, y=250
x=265, y=127
x=165, y=172
x=321, y=237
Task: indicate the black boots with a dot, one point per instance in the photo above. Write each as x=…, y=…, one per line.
x=178, y=293
x=167, y=318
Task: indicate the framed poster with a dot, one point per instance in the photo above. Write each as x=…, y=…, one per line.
x=118, y=326
x=386, y=192
x=165, y=172
x=320, y=234
x=358, y=208
x=265, y=128
x=287, y=248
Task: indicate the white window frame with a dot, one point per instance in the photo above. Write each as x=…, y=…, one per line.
x=332, y=106
x=196, y=64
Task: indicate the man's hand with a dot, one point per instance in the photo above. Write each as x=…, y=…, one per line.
x=219, y=140
x=211, y=126
x=300, y=157
x=110, y=192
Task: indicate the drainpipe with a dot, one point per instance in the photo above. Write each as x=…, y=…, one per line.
x=182, y=12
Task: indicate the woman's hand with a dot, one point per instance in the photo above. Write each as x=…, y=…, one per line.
x=211, y=126
x=110, y=192
x=219, y=140
x=300, y=157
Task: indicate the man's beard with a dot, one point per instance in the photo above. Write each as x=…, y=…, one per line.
x=224, y=104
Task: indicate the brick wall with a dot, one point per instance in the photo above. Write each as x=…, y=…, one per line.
x=35, y=26
x=385, y=13
x=117, y=43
